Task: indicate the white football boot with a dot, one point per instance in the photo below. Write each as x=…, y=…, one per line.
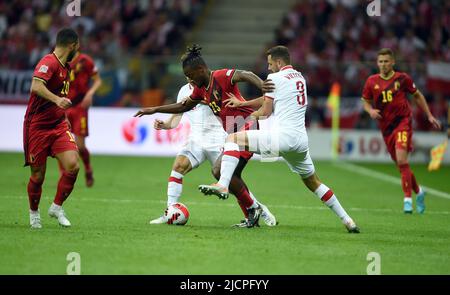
x=267, y=216
x=159, y=220
x=35, y=219
x=57, y=212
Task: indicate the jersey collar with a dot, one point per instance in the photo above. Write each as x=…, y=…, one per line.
x=210, y=80
x=58, y=59
x=286, y=67
x=389, y=77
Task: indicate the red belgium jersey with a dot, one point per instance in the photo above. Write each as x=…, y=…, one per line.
x=390, y=97
x=40, y=111
x=82, y=69
x=219, y=85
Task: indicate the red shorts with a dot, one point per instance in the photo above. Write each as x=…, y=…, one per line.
x=39, y=143
x=400, y=138
x=78, y=118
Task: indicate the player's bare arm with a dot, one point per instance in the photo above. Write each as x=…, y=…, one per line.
x=373, y=113
x=265, y=110
x=174, y=108
x=250, y=77
x=233, y=102
x=170, y=123
x=88, y=98
x=38, y=87
x=422, y=103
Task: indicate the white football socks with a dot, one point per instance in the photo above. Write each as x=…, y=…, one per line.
x=327, y=196
x=230, y=160
x=174, y=187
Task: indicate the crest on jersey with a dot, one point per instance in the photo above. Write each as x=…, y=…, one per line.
x=396, y=85
x=376, y=86
x=43, y=69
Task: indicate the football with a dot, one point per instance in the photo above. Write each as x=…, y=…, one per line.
x=177, y=214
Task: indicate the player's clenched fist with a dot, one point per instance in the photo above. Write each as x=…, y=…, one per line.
x=159, y=124
x=146, y=111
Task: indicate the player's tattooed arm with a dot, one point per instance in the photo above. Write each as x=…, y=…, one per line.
x=250, y=77
x=38, y=87
x=174, y=108
x=422, y=103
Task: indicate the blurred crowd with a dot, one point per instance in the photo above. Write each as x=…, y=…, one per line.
x=335, y=40
x=108, y=28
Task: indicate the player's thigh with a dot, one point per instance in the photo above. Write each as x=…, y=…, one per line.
x=182, y=164
x=194, y=153
x=68, y=160
x=65, y=149
x=299, y=162
x=37, y=146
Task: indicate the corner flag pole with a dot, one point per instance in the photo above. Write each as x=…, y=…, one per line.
x=334, y=104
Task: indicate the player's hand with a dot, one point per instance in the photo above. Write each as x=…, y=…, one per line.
x=64, y=103
x=87, y=101
x=146, y=111
x=268, y=86
x=159, y=124
x=375, y=114
x=434, y=122
x=232, y=101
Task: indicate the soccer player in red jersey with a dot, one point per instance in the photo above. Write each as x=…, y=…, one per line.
x=46, y=131
x=83, y=71
x=385, y=99
x=212, y=87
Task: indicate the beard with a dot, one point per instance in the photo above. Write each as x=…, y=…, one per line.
x=71, y=55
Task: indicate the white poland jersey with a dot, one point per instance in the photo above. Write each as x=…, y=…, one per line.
x=289, y=100
x=204, y=123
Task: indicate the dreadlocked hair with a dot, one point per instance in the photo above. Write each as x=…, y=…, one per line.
x=193, y=57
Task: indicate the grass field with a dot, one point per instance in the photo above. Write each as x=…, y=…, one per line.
x=111, y=233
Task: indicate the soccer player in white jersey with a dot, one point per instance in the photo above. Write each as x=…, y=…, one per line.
x=205, y=142
x=287, y=138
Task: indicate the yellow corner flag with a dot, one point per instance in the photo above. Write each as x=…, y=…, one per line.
x=437, y=154
x=333, y=103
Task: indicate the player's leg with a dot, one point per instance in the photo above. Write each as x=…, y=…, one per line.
x=402, y=146
x=86, y=159
x=181, y=166
x=190, y=157
x=229, y=162
x=65, y=150
x=250, y=206
x=34, y=190
x=301, y=163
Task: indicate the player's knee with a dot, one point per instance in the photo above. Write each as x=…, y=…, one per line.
x=73, y=166
x=180, y=167
x=402, y=162
x=38, y=177
x=231, y=138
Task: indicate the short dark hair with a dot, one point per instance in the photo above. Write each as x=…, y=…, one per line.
x=66, y=36
x=280, y=52
x=386, y=51
x=193, y=57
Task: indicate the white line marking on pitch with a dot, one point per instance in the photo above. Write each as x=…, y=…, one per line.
x=232, y=204
x=387, y=178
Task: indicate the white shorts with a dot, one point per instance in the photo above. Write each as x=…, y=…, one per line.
x=198, y=152
x=292, y=148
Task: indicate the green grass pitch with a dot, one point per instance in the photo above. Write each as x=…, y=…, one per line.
x=111, y=233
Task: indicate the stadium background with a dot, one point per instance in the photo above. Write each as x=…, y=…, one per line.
x=137, y=46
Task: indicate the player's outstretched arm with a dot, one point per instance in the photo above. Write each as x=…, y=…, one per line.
x=174, y=108
x=422, y=103
x=38, y=87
